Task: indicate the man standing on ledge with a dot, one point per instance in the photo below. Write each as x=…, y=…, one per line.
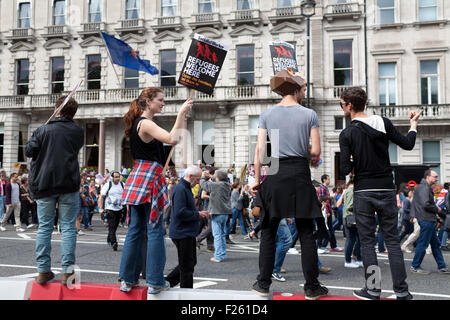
x=55, y=180
x=365, y=149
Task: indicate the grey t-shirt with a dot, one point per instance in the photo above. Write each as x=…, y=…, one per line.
x=15, y=193
x=294, y=124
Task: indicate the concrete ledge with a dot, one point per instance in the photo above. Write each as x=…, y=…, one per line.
x=15, y=288
x=204, y=294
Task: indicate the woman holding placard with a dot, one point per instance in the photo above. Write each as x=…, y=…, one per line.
x=146, y=191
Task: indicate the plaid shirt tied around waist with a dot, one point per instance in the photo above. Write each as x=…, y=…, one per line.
x=146, y=184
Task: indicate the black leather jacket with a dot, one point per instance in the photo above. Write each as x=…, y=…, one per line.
x=54, y=151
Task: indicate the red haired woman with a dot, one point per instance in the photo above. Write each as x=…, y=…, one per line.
x=146, y=191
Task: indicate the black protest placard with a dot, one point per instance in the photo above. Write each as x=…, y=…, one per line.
x=283, y=56
x=203, y=64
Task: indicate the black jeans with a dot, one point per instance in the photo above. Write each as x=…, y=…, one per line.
x=113, y=222
x=324, y=242
x=384, y=203
x=309, y=256
x=207, y=233
x=183, y=273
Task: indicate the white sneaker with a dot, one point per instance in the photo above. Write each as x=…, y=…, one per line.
x=20, y=230
x=321, y=251
x=81, y=233
x=2, y=228
x=293, y=251
x=351, y=265
x=359, y=263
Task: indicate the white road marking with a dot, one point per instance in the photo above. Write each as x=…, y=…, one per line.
x=437, y=295
x=203, y=284
x=24, y=236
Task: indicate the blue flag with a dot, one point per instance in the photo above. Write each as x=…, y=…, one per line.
x=123, y=55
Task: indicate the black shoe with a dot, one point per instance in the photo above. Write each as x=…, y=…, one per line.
x=115, y=246
x=445, y=248
x=313, y=294
x=228, y=240
x=364, y=295
x=408, y=297
x=260, y=291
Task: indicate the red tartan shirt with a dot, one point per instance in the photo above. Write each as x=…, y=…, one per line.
x=323, y=191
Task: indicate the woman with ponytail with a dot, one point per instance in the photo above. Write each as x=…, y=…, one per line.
x=146, y=191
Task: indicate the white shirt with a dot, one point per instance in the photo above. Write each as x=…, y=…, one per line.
x=114, y=200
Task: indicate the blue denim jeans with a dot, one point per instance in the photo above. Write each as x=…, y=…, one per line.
x=427, y=237
x=68, y=207
x=444, y=239
x=237, y=214
x=294, y=232
x=85, y=214
x=352, y=244
x=2, y=207
x=219, y=229
x=283, y=243
x=384, y=203
x=132, y=260
x=380, y=239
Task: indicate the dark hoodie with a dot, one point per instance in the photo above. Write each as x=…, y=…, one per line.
x=367, y=141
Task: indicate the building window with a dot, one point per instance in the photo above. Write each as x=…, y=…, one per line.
x=23, y=138
x=340, y=122
x=168, y=65
x=432, y=155
x=343, y=62
x=429, y=82
x=427, y=10
x=92, y=141
x=205, y=142
x=131, y=78
x=284, y=3
x=386, y=11
x=94, y=72
x=253, y=122
x=59, y=12
x=22, y=76
x=245, y=65
x=387, y=84
x=168, y=8
x=132, y=9
x=24, y=15
x=393, y=153
x=95, y=10
x=244, y=4
x=206, y=6
x=57, y=74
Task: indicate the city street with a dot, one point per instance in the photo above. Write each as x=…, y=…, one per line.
x=100, y=264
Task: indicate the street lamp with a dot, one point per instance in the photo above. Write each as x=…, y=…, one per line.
x=308, y=10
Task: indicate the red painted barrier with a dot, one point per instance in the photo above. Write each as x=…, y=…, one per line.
x=88, y=291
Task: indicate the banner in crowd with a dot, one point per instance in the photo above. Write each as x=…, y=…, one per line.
x=203, y=64
x=283, y=56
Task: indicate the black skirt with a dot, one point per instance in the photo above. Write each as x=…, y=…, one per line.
x=289, y=193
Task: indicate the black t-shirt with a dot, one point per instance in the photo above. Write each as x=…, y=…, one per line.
x=152, y=151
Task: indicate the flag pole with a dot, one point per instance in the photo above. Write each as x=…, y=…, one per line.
x=110, y=59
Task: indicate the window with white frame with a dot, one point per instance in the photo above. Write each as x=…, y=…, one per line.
x=22, y=76
x=57, y=76
x=343, y=62
x=24, y=15
x=94, y=68
x=245, y=55
x=393, y=153
x=341, y=122
x=2, y=138
x=432, y=155
x=23, y=139
x=168, y=63
x=253, y=122
x=131, y=78
x=244, y=4
x=168, y=8
x=59, y=12
x=132, y=9
x=429, y=82
x=284, y=3
x=427, y=10
x=206, y=6
x=386, y=11
x=95, y=10
x=387, y=84
x=92, y=144
x=205, y=142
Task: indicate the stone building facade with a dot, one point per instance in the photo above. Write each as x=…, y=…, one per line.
x=48, y=46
